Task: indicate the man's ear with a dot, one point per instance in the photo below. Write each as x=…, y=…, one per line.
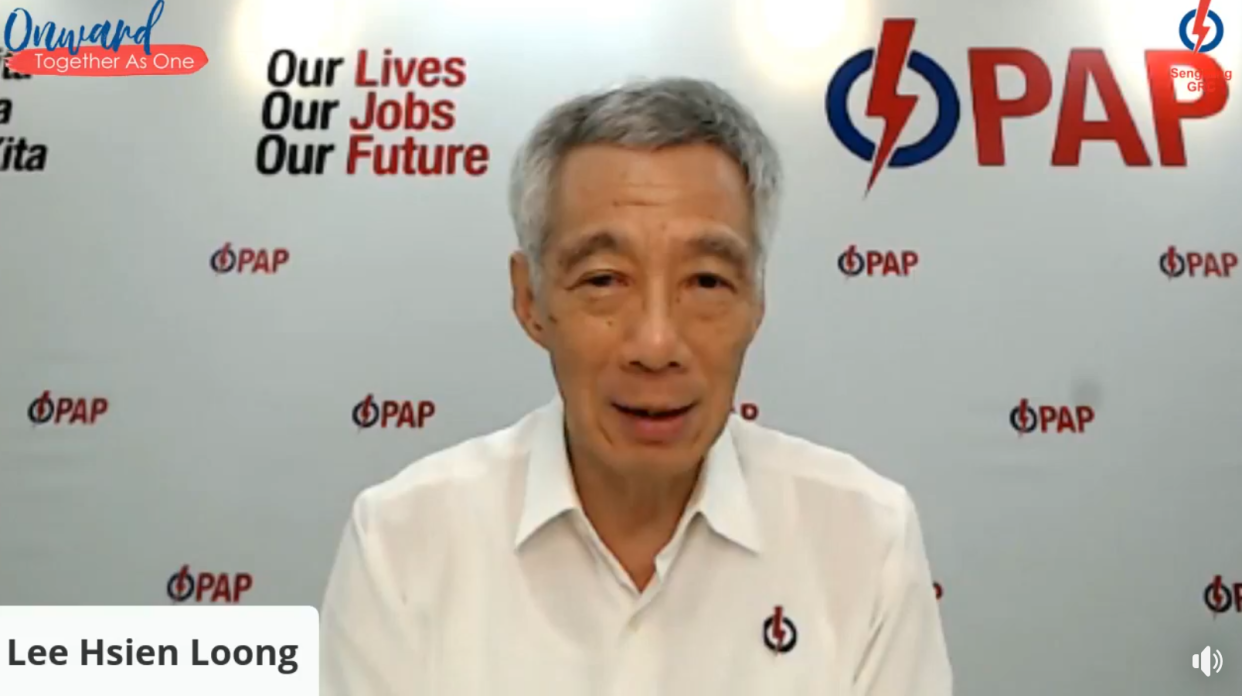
x=525, y=306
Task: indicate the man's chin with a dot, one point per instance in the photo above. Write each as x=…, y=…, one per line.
x=659, y=462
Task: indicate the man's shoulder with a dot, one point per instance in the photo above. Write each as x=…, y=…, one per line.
x=815, y=470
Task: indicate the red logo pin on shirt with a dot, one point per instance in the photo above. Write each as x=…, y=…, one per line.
x=779, y=633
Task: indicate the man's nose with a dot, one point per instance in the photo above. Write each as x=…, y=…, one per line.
x=655, y=342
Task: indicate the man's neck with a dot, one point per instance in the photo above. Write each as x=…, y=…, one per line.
x=635, y=517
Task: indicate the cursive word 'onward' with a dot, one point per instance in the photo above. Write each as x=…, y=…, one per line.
x=47, y=37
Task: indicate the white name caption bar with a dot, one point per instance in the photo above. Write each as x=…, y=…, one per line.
x=155, y=651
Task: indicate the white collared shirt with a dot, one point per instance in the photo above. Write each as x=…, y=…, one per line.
x=474, y=572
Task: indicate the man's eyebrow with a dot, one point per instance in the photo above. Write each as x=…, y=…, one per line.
x=724, y=247
x=603, y=241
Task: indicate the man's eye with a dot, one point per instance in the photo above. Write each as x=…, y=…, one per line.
x=710, y=281
x=601, y=281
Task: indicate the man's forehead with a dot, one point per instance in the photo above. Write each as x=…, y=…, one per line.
x=721, y=243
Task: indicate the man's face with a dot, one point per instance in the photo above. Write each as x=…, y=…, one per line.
x=648, y=302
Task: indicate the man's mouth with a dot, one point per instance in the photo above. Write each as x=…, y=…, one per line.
x=654, y=413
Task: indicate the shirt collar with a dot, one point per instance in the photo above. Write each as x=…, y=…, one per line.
x=722, y=497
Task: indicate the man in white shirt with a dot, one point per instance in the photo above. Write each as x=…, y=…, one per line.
x=633, y=537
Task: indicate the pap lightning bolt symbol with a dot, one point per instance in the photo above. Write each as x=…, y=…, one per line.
x=1199, y=29
x=885, y=102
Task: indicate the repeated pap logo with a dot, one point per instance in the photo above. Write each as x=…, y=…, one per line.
x=43, y=48
x=1199, y=23
x=1028, y=418
x=855, y=262
x=66, y=410
x=392, y=413
x=1195, y=28
x=1221, y=597
x=205, y=586
x=413, y=117
x=248, y=261
x=1175, y=263
x=747, y=410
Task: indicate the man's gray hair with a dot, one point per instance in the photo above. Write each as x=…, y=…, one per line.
x=648, y=114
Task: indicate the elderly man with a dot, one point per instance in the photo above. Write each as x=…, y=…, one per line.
x=632, y=537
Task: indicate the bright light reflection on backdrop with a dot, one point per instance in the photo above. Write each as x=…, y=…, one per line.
x=311, y=28
x=543, y=37
x=798, y=43
x=554, y=14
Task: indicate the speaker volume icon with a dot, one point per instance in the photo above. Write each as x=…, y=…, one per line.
x=1209, y=661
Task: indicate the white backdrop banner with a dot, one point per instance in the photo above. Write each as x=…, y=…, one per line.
x=235, y=292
